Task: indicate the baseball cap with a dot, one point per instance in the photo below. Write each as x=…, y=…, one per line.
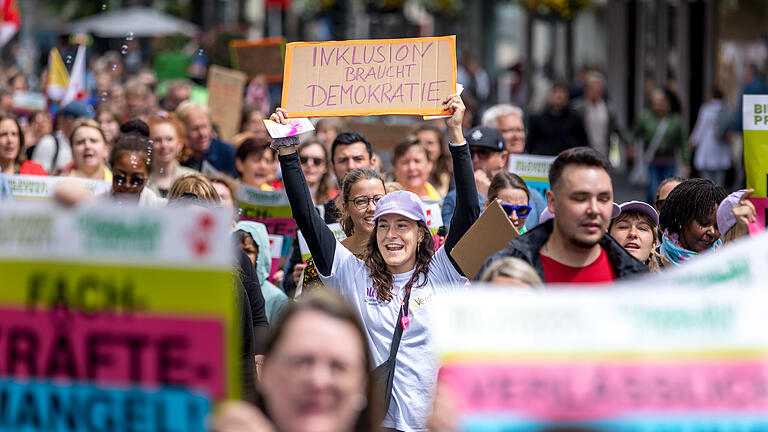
x=485, y=137
x=643, y=208
x=403, y=203
x=725, y=218
x=547, y=215
x=78, y=109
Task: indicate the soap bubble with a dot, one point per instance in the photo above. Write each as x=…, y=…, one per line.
x=124, y=49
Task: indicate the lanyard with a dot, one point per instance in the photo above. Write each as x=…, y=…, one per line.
x=404, y=321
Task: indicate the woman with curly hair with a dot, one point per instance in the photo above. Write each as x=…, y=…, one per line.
x=400, y=264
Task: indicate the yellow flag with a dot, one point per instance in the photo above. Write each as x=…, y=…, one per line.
x=58, y=78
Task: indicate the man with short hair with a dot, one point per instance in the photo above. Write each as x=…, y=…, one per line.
x=558, y=127
x=207, y=151
x=489, y=157
x=349, y=150
x=600, y=119
x=574, y=246
x=507, y=119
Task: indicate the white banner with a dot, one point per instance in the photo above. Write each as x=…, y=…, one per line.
x=116, y=234
x=32, y=187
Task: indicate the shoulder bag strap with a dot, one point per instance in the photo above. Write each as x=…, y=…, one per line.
x=395, y=346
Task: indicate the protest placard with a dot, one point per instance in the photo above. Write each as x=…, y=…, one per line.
x=259, y=57
x=755, y=123
x=490, y=233
x=533, y=169
x=338, y=232
x=115, y=318
x=617, y=360
x=225, y=101
x=268, y=207
x=276, y=251
x=369, y=77
x=40, y=188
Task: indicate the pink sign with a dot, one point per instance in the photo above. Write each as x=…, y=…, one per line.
x=574, y=391
x=761, y=205
x=115, y=349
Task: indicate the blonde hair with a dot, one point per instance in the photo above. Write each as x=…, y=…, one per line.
x=513, y=268
x=186, y=108
x=737, y=231
x=195, y=184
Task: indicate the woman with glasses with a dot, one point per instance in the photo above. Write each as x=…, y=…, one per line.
x=314, y=164
x=168, y=147
x=131, y=162
x=361, y=190
x=513, y=195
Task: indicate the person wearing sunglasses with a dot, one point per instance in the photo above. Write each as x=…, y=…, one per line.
x=513, y=195
x=314, y=164
x=131, y=162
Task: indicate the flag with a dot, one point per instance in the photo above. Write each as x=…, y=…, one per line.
x=58, y=77
x=10, y=20
x=76, y=86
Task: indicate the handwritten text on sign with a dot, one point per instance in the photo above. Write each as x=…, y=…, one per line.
x=396, y=76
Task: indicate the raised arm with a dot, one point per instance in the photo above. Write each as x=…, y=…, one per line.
x=320, y=239
x=467, y=208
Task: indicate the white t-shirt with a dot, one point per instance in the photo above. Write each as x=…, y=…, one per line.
x=416, y=370
x=46, y=149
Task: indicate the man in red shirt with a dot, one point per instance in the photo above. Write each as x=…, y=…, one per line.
x=574, y=247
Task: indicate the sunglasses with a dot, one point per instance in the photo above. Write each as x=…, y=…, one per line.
x=315, y=160
x=363, y=201
x=121, y=179
x=480, y=152
x=521, y=210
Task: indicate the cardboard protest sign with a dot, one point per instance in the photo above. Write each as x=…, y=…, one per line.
x=40, y=188
x=533, y=169
x=613, y=360
x=761, y=206
x=268, y=207
x=369, y=77
x=115, y=318
x=225, y=101
x=490, y=233
x=276, y=251
x=259, y=57
x=294, y=127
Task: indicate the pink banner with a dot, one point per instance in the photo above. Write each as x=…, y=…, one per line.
x=585, y=391
x=115, y=349
x=761, y=205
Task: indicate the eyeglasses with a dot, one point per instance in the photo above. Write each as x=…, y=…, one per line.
x=521, y=210
x=121, y=179
x=315, y=160
x=363, y=201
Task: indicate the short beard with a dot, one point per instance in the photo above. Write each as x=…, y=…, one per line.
x=582, y=244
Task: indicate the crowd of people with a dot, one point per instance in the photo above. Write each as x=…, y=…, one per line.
x=342, y=341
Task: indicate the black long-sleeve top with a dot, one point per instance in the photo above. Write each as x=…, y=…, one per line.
x=320, y=239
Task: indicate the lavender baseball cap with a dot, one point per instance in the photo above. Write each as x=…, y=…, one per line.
x=403, y=203
x=643, y=208
x=547, y=215
x=725, y=218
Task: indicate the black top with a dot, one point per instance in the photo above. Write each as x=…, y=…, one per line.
x=550, y=133
x=250, y=283
x=320, y=239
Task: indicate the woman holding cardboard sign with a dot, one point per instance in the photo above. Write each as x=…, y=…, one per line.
x=391, y=288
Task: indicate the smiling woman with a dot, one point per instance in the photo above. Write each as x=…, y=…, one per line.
x=688, y=220
x=391, y=286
